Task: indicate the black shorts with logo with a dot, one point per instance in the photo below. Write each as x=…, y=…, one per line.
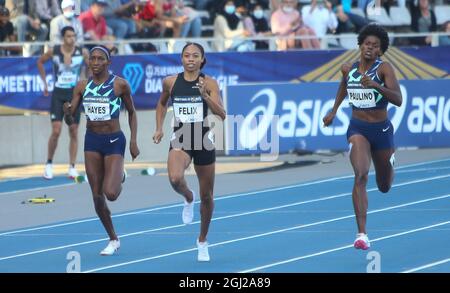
x=203, y=151
x=59, y=97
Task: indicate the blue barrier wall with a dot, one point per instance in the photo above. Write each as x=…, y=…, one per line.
x=21, y=87
x=289, y=117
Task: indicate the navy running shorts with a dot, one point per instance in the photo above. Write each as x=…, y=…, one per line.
x=105, y=144
x=379, y=134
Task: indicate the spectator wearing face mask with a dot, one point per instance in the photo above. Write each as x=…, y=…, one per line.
x=229, y=32
x=66, y=19
x=257, y=24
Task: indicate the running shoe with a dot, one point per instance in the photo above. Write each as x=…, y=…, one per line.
x=203, y=254
x=112, y=247
x=361, y=241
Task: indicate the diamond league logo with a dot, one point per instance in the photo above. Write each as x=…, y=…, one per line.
x=133, y=72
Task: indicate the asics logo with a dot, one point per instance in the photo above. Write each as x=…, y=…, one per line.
x=113, y=140
x=386, y=129
x=250, y=135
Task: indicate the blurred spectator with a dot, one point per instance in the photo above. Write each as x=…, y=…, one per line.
x=166, y=14
x=362, y=4
x=118, y=19
x=286, y=22
x=229, y=30
x=320, y=17
x=45, y=10
x=249, y=4
x=85, y=5
x=94, y=23
x=7, y=33
x=193, y=26
x=275, y=4
x=201, y=4
x=445, y=40
x=258, y=25
x=216, y=7
x=66, y=19
x=423, y=20
x=147, y=25
x=26, y=26
x=348, y=22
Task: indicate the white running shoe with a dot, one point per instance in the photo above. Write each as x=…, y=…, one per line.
x=73, y=173
x=48, y=172
x=203, y=254
x=361, y=241
x=188, y=210
x=112, y=247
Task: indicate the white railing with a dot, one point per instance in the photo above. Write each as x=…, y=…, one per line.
x=174, y=45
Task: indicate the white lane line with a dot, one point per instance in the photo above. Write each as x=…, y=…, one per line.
x=176, y=205
x=216, y=199
x=36, y=188
x=341, y=248
x=427, y=266
x=218, y=218
x=262, y=190
x=280, y=231
x=421, y=170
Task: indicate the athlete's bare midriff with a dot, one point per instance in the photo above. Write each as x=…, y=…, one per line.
x=374, y=115
x=103, y=127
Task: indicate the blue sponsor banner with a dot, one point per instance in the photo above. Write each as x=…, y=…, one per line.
x=146, y=72
x=278, y=118
x=21, y=87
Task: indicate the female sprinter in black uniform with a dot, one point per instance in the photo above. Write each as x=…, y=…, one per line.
x=370, y=85
x=104, y=142
x=192, y=94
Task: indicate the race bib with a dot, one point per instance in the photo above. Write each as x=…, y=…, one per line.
x=361, y=98
x=67, y=79
x=188, y=109
x=97, y=108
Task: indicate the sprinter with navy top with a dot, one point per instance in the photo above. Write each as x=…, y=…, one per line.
x=370, y=85
x=192, y=94
x=104, y=142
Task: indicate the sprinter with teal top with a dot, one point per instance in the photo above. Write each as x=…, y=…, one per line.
x=370, y=84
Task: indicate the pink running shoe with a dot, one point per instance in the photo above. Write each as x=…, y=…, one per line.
x=361, y=242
